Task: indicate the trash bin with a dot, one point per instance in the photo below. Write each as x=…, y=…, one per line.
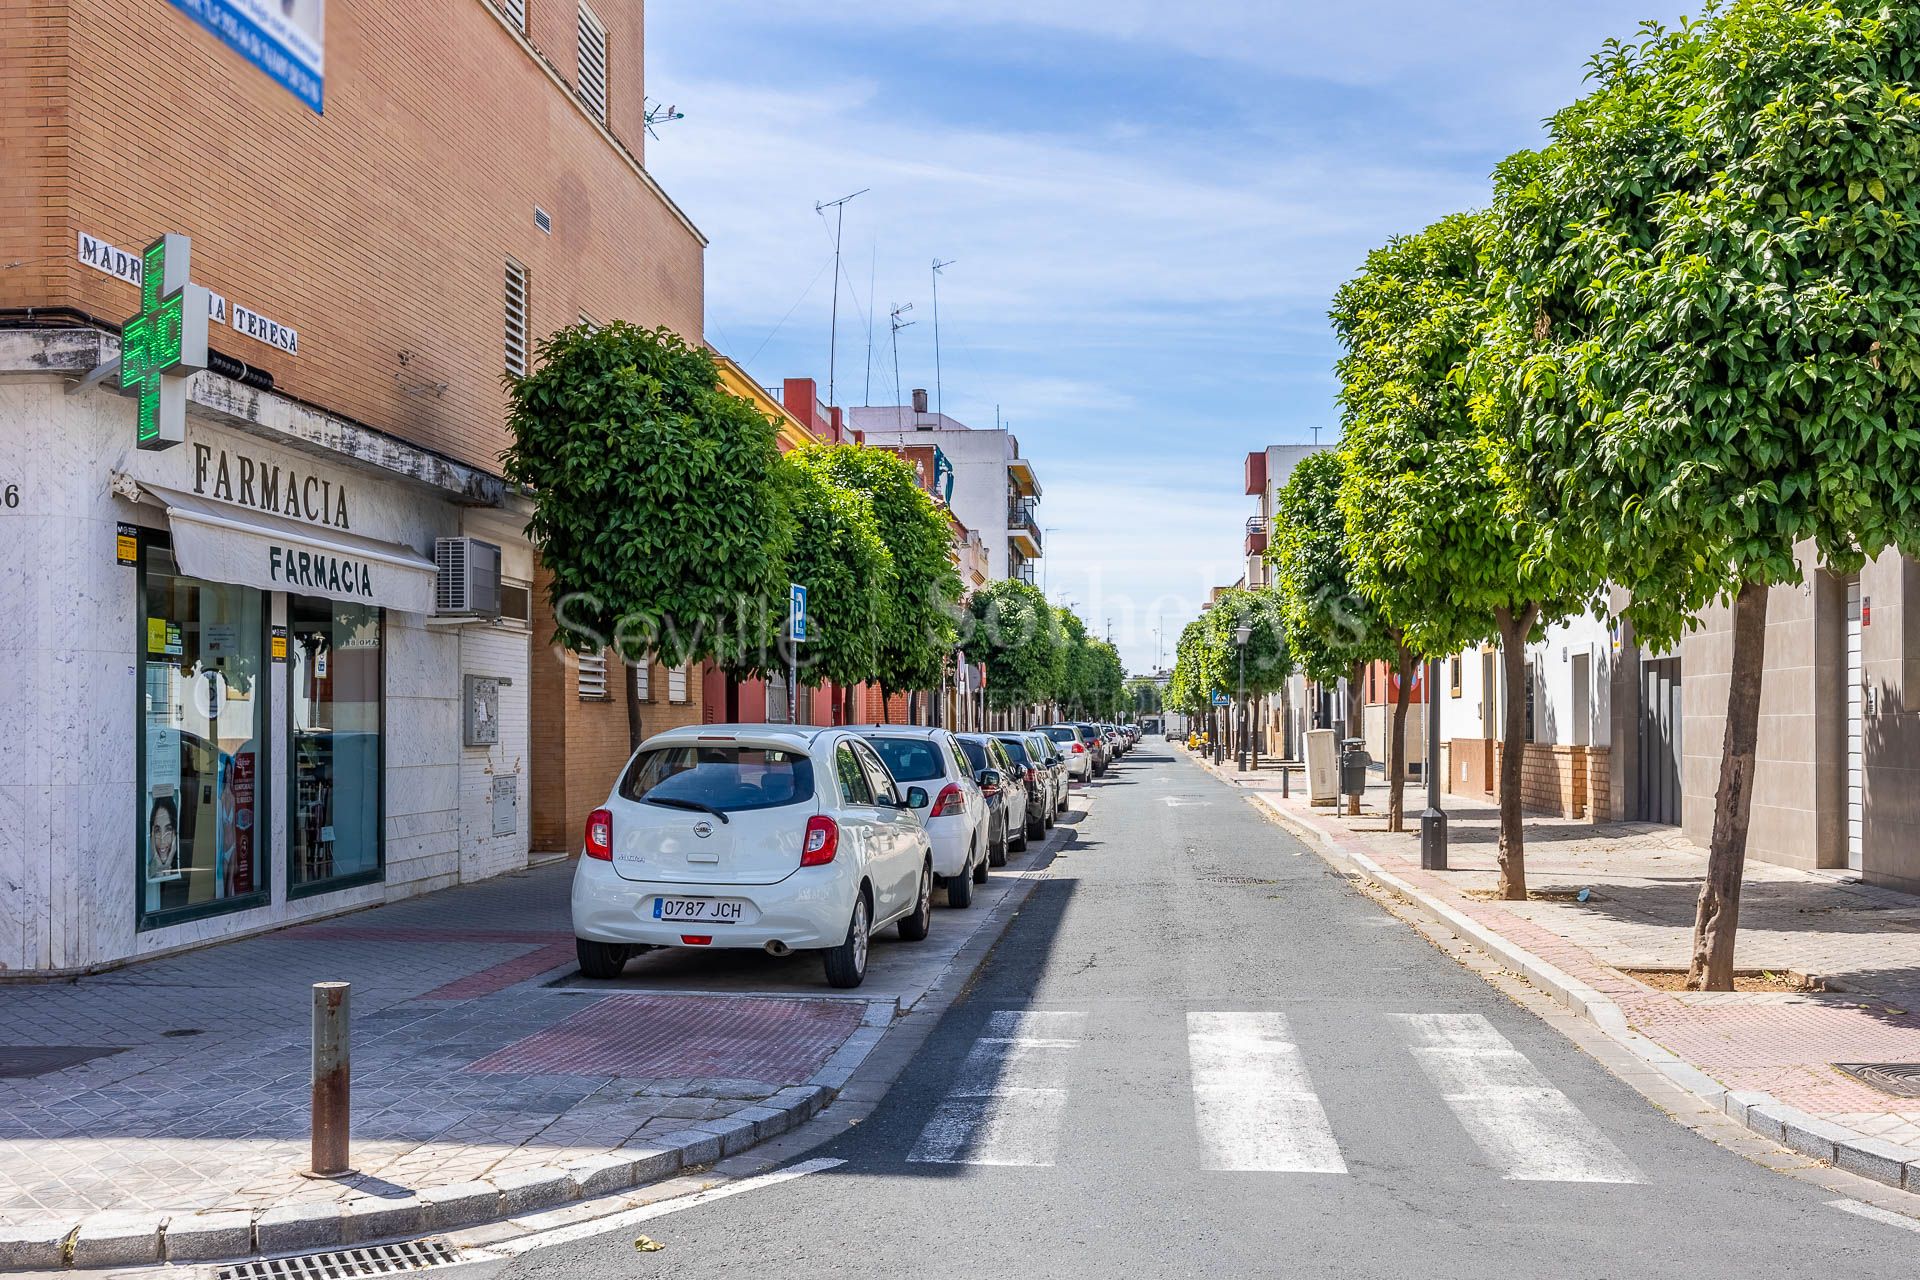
x=1354, y=763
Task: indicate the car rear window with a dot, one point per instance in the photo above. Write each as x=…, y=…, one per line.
x=730, y=779
x=1063, y=733
x=1015, y=748
x=976, y=753
x=910, y=759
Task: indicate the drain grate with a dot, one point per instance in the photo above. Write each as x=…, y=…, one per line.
x=1901, y=1079
x=348, y=1264
x=25, y=1061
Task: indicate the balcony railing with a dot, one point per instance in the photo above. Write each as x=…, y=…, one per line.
x=1023, y=515
x=1256, y=536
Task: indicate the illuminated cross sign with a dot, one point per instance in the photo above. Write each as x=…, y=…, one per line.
x=165, y=343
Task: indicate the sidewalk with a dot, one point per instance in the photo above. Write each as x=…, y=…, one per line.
x=1629, y=942
x=162, y=1110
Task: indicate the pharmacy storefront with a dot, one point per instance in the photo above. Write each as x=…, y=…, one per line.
x=234, y=692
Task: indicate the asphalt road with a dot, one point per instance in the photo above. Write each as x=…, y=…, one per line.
x=1197, y=1051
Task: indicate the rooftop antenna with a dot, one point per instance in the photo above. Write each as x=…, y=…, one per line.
x=657, y=114
x=939, y=396
x=839, y=208
x=1316, y=435
x=898, y=324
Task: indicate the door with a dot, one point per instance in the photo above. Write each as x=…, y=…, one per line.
x=1582, y=699
x=1490, y=723
x=1856, y=754
x=1658, y=773
x=899, y=833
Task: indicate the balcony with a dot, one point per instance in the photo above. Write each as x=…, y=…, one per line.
x=1256, y=473
x=1256, y=536
x=1020, y=475
x=1023, y=526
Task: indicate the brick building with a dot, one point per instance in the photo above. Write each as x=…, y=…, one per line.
x=255, y=683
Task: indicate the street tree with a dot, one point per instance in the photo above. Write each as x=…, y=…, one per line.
x=657, y=508
x=1333, y=631
x=1012, y=630
x=1262, y=665
x=921, y=594
x=839, y=556
x=1145, y=697
x=1718, y=250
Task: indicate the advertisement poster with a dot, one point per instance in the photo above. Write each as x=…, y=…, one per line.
x=162, y=830
x=284, y=38
x=236, y=825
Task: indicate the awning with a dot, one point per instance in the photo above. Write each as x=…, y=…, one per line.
x=224, y=543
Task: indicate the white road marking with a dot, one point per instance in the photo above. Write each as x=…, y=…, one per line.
x=1184, y=802
x=1512, y=1112
x=1876, y=1213
x=1006, y=1102
x=1252, y=1100
x=632, y=1217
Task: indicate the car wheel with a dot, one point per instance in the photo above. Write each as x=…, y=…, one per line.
x=914, y=927
x=847, y=963
x=1017, y=843
x=960, y=887
x=997, y=851
x=1037, y=828
x=601, y=959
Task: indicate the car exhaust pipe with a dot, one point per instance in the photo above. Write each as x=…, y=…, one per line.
x=775, y=947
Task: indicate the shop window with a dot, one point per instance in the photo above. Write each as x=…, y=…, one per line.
x=203, y=694
x=335, y=666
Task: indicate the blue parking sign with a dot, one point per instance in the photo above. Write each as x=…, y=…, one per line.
x=796, y=612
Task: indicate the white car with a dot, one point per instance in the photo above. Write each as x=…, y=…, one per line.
x=955, y=814
x=780, y=838
x=1078, y=751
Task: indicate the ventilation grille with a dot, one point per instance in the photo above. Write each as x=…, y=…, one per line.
x=542, y=219
x=593, y=677
x=348, y=1264
x=516, y=11
x=593, y=63
x=468, y=577
x=518, y=291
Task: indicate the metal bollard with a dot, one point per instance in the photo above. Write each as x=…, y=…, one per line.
x=1286, y=778
x=332, y=1077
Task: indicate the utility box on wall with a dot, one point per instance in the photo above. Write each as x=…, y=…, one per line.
x=481, y=714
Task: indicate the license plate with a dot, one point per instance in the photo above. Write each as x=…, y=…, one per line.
x=699, y=910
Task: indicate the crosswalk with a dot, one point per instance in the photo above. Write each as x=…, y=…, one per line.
x=1255, y=1107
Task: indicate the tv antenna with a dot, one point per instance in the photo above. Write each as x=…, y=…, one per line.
x=657, y=114
x=897, y=325
x=839, y=208
x=939, y=396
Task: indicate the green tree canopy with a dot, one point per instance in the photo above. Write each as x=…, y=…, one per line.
x=1718, y=251
x=1012, y=630
x=839, y=557
x=921, y=593
x=656, y=497
x=1330, y=626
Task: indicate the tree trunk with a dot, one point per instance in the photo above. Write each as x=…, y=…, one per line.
x=1718, y=916
x=846, y=704
x=1513, y=749
x=634, y=731
x=1403, y=667
x=1356, y=712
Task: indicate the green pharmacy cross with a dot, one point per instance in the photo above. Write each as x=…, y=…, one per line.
x=166, y=343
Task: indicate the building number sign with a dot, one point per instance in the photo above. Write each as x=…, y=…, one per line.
x=166, y=343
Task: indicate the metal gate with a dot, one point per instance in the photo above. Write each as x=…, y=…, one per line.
x=1659, y=763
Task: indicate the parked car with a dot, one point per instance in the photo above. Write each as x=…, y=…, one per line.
x=1075, y=746
x=956, y=815
x=781, y=838
x=1058, y=766
x=1026, y=757
x=1005, y=789
x=1097, y=742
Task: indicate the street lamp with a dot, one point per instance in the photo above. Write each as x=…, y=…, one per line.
x=1242, y=634
x=1433, y=822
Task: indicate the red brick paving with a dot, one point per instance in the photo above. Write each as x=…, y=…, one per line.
x=669, y=1037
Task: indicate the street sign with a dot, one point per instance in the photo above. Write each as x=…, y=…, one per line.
x=1222, y=700
x=796, y=612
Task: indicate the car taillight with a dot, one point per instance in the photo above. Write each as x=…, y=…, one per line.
x=951, y=802
x=823, y=841
x=1079, y=750
x=600, y=835
x=1029, y=774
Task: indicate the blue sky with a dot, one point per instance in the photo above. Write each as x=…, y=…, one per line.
x=1148, y=207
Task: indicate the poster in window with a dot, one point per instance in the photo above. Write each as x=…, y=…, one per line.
x=236, y=869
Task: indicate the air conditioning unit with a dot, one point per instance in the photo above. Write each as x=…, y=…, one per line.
x=469, y=584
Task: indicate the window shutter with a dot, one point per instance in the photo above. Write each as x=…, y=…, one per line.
x=593, y=677
x=518, y=325
x=593, y=63
x=643, y=680
x=677, y=684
